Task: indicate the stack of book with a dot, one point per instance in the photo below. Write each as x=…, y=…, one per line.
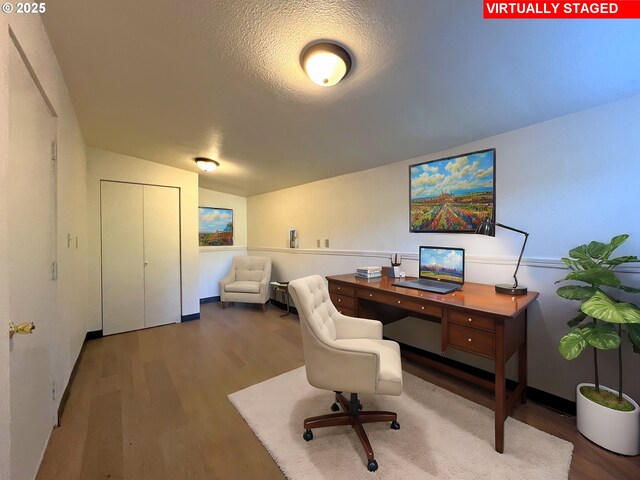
x=369, y=272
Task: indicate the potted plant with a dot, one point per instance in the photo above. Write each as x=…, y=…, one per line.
x=605, y=416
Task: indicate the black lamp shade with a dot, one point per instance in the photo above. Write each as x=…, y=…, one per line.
x=486, y=228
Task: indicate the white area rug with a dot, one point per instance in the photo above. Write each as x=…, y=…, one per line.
x=442, y=436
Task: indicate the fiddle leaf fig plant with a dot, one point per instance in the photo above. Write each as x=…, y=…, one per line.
x=601, y=317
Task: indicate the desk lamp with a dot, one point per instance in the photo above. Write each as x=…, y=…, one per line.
x=488, y=228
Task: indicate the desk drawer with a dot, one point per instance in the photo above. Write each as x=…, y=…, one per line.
x=404, y=302
x=342, y=289
x=342, y=301
x=471, y=319
x=422, y=307
x=349, y=312
x=472, y=340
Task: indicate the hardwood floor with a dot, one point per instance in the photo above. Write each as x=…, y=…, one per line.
x=153, y=404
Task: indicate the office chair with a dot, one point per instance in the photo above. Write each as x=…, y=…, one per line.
x=345, y=354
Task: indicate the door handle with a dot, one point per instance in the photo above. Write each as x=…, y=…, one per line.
x=21, y=328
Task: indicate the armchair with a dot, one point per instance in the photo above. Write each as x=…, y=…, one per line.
x=345, y=354
x=247, y=281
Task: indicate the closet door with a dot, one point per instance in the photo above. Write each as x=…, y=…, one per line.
x=122, y=257
x=161, y=255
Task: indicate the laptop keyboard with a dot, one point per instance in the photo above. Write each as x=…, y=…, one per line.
x=428, y=285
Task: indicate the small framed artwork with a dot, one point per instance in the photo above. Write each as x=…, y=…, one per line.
x=215, y=226
x=293, y=238
x=453, y=194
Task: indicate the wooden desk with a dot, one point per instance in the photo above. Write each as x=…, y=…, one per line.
x=475, y=320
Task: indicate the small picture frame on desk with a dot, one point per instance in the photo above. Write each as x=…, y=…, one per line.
x=391, y=272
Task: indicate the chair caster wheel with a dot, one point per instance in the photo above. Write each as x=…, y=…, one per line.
x=335, y=407
x=395, y=425
x=372, y=466
x=307, y=435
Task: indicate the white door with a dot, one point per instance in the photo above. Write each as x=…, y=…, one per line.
x=30, y=255
x=140, y=256
x=122, y=257
x=162, y=255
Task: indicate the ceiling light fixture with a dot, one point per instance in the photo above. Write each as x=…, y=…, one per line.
x=326, y=63
x=206, y=164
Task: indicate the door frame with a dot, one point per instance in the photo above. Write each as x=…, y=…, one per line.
x=8, y=42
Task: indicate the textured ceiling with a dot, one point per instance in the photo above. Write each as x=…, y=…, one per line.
x=169, y=80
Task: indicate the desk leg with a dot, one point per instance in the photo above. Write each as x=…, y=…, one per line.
x=500, y=389
x=522, y=362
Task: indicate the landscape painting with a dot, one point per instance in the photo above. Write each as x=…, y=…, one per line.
x=454, y=194
x=215, y=226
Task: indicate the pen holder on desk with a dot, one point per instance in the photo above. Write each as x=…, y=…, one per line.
x=394, y=270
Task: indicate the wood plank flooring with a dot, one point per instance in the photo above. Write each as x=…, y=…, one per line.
x=152, y=404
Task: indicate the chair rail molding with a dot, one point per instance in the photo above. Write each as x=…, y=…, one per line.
x=536, y=262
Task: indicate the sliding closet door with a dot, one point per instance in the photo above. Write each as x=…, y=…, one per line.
x=122, y=257
x=161, y=255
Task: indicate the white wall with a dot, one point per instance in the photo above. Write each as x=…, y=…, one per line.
x=5, y=393
x=566, y=181
x=69, y=313
x=104, y=165
x=216, y=261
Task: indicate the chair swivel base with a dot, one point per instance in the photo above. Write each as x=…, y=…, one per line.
x=352, y=415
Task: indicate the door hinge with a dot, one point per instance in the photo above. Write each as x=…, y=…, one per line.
x=54, y=151
x=54, y=270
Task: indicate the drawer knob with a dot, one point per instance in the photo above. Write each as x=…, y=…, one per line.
x=469, y=339
x=371, y=294
x=470, y=319
x=398, y=301
x=422, y=308
x=338, y=288
x=339, y=300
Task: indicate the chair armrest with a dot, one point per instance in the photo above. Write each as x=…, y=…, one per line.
x=231, y=276
x=352, y=327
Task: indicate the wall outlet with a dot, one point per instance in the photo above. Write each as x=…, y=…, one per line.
x=318, y=243
x=326, y=242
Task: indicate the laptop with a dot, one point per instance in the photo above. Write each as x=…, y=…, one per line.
x=441, y=270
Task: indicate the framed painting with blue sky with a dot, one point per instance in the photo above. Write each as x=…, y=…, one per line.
x=215, y=226
x=453, y=194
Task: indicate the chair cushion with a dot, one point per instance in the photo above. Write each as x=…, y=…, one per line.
x=390, y=378
x=243, y=287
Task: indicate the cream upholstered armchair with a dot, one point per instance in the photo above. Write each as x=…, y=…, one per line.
x=345, y=354
x=247, y=281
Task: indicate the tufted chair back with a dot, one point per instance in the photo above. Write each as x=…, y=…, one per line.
x=252, y=269
x=315, y=308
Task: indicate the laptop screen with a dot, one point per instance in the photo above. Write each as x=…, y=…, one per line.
x=442, y=263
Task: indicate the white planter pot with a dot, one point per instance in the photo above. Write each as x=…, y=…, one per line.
x=614, y=430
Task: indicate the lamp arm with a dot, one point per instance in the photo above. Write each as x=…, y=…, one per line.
x=515, y=278
x=512, y=229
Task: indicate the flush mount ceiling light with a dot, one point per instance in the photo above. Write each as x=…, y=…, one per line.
x=206, y=164
x=326, y=63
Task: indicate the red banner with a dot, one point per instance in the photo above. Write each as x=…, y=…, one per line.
x=561, y=9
